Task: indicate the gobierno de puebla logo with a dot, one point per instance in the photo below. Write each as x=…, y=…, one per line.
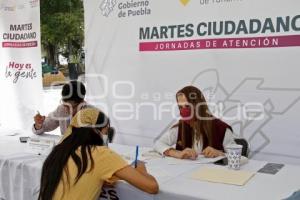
x=125, y=8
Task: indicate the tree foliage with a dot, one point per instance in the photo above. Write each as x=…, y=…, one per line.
x=62, y=28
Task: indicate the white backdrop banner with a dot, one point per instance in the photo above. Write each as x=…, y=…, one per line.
x=20, y=63
x=243, y=54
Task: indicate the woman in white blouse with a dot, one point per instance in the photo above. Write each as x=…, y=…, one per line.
x=197, y=132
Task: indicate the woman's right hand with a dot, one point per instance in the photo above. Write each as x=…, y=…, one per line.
x=38, y=121
x=141, y=167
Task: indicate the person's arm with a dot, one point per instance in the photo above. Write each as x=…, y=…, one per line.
x=165, y=146
x=50, y=123
x=111, y=167
x=166, y=141
x=211, y=152
x=139, y=178
x=228, y=138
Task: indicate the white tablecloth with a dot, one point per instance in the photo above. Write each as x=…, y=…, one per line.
x=20, y=176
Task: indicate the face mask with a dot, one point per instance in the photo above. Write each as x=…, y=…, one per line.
x=185, y=113
x=105, y=139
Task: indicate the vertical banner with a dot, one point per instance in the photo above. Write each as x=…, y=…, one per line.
x=20, y=63
x=242, y=54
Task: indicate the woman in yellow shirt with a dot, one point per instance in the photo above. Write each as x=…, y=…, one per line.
x=78, y=167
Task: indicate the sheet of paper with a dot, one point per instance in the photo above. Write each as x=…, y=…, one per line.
x=200, y=160
x=158, y=172
x=128, y=152
x=223, y=175
x=150, y=155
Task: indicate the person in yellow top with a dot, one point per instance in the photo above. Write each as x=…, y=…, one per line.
x=79, y=165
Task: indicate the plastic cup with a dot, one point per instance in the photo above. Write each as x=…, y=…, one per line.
x=234, y=153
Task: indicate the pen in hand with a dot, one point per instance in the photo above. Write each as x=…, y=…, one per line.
x=136, y=156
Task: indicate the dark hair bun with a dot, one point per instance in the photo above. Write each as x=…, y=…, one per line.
x=73, y=91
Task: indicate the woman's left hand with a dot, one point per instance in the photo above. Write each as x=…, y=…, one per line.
x=210, y=152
